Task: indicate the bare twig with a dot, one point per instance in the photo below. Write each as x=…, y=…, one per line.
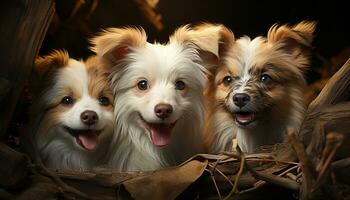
x=150, y=13
x=292, y=176
x=238, y=175
x=341, y=163
x=261, y=183
x=306, y=165
x=231, y=154
x=240, y=171
x=66, y=188
x=333, y=142
x=274, y=179
x=215, y=184
x=213, y=178
x=77, y=7
x=288, y=170
x=272, y=160
x=283, y=182
x=222, y=174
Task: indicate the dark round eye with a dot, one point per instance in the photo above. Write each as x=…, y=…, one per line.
x=67, y=100
x=104, y=101
x=227, y=80
x=142, y=85
x=180, y=85
x=265, y=78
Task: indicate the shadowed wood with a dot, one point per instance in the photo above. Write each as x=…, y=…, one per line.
x=330, y=107
x=23, y=25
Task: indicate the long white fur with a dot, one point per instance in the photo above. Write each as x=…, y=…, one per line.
x=161, y=65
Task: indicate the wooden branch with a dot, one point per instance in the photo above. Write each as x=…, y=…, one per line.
x=277, y=180
x=331, y=104
x=65, y=188
x=341, y=163
x=306, y=165
x=336, y=90
x=215, y=184
x=13, y=168
x=238, y=175
x=23, y=25
x=149, y=12
x=333, y=142
x=328, y=113
x=340, y=171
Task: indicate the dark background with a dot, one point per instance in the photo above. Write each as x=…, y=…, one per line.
x=244, y=17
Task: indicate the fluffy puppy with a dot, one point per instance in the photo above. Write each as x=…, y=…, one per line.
x=72, y=112
x=158, y=90
x=257, y=89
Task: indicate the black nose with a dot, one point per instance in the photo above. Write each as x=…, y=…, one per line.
x=89, y=117
x=163, y=110
x=241, y=99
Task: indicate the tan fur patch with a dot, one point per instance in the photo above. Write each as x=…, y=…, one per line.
x=52, y=117
x=98, y=81
x=110, y=41
x=45, y=68
x=53, y=61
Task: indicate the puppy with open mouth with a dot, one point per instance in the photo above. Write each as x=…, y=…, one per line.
x=158, y=89
x=72, y=112
x=256, y=92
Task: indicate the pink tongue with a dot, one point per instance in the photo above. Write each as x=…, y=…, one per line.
x=160, y=134
x=245, y=117
x=88, y=141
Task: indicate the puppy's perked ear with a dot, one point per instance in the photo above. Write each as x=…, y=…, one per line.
x=114, y=44
x=211, y=40
x=295, y=40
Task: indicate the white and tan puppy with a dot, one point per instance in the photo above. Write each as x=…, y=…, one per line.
x=72, y=112
x=256, y=92
x=158, y=90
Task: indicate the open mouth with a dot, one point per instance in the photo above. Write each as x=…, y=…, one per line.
x=160, y=132
x=86, y=138
x=244, y=118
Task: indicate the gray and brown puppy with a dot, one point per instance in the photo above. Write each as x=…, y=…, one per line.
x=256, y=92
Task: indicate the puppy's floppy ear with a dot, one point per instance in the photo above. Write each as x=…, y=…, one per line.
x=295, y=40
x=47, y=64
x=113, y=44
x=45, y=67
x=210, y=40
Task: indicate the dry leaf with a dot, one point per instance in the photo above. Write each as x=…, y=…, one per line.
x=167, y=183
